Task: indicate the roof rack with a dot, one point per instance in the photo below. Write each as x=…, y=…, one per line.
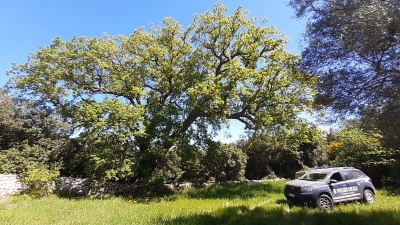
x=334, y=167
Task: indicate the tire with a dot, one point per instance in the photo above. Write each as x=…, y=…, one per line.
x=325, y=202
x=368, y=196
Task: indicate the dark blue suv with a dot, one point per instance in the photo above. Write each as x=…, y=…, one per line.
x=323, y=187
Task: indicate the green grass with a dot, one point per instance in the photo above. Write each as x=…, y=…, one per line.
x=250, y=203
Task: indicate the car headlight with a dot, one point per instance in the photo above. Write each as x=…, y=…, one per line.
x=307, y=189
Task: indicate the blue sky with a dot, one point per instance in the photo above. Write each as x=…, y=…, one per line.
x=27, y=24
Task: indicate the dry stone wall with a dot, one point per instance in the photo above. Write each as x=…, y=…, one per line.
x=84, y=186
x=11, y=184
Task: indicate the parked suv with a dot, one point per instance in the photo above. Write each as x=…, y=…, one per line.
x=323, y=187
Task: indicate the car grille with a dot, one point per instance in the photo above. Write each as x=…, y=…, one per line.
x=292, y=189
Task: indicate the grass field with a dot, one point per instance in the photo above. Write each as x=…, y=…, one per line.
x=249, y=203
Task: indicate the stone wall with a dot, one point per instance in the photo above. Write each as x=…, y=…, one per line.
x=10, y=184
x=84, y=186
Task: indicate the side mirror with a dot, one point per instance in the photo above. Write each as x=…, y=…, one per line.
x=332, y=181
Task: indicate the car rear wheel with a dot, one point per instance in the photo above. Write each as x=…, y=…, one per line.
x=325, y=202
x=368, y=196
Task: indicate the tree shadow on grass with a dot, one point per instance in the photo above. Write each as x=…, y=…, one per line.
x=293, y=204
x=232, y=191
x=283, y=215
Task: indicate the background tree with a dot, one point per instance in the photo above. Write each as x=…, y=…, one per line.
x=191, y=163
x=224, y=162
x=354, y=48
x=6, y=119
x=152, y=90
x=31, y=136
x=353, y=146
x=283, y=152
x=386, y=120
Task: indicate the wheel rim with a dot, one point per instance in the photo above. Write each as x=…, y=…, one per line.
x=325, y=203
x=369, y=196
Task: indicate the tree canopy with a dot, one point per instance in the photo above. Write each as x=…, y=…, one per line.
x=356, y=146
x=31, y=136
x=354, y=47
x=136, y=97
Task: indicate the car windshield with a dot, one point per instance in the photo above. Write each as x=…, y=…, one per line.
x=313, y=176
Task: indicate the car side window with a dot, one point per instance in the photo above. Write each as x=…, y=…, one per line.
x=357, y=174
x=348, y=175
x=337, y=176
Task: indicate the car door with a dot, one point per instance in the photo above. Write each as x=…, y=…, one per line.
x=354, y=190
x=338, y=187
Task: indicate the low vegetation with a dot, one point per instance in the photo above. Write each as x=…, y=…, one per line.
x=247, y=203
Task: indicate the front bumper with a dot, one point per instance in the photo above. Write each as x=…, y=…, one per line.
x=294, y=194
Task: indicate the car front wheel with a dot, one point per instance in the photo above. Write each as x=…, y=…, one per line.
x=368, y=196
x=325, y=202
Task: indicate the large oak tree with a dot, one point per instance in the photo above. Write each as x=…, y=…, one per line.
x=354, y=47
x=136, y=97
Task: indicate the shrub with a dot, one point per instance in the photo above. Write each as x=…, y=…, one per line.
x=225, y=162
x=363, y=149
x=270, y=176
x=39, y=181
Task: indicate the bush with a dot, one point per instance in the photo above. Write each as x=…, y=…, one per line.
x=224, y=162
x=363, y=149
x=270, y=176
x=191, y=164
x=266, y=155
x=20, y=160
x=39, y=181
